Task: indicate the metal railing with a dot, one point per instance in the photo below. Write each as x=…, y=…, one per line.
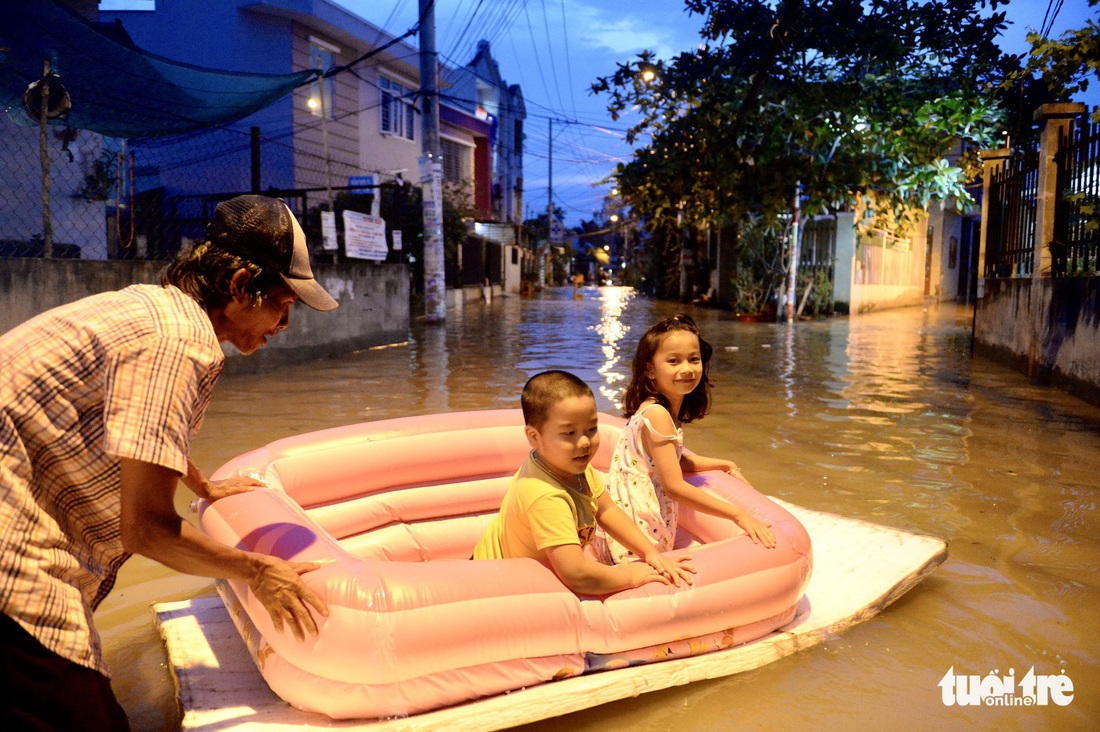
x=1010, y=238
x=1075, y=249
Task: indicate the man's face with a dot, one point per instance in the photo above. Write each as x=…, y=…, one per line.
x=569, y=438
x=248, y=325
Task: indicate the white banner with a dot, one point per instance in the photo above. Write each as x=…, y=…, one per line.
x=328, y=231
x=364, y=236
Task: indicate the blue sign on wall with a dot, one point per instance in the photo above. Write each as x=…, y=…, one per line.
x=360, y=184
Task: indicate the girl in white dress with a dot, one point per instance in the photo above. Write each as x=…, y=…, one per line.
x=669, y=386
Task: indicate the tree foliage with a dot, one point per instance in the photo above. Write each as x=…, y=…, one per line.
x=860, y=101
x=1066, y=64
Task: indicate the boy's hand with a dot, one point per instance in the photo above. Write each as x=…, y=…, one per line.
x=759, y=531
x=672, y=570
x=640, y=573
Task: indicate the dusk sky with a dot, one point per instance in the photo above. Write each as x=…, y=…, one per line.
x=555, y=49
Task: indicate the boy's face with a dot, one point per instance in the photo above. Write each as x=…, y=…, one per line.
x=569, y=438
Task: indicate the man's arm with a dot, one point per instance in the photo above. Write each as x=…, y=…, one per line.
x=151, y=527
x=212, y=490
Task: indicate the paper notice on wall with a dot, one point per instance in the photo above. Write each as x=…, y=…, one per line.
x=328, y=231
x=364, y=236
x=397, y=241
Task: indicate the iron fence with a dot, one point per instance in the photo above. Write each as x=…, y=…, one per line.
x=818, y=245
x=111, y=199
x=1075, y=249
x=1010, y=231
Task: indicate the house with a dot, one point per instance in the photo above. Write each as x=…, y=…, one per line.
x=479, y=88
x=347, y=131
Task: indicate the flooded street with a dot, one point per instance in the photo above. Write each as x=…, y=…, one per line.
x=882, y=417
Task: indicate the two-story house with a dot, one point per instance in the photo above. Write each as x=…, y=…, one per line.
x=354, y=128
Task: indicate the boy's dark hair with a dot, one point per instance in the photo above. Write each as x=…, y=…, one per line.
x=642, y=387
x=546, y=389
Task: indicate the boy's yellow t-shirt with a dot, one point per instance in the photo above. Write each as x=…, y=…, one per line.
x=538, y=513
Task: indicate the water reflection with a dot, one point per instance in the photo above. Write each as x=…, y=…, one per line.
x=882, y=417
x=613, y=331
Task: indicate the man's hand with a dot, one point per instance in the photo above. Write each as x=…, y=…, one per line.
x=218, y=489
x=279, y=587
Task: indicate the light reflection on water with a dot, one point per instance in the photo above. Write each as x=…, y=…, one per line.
x=881, y=417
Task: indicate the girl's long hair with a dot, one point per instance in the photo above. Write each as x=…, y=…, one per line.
x=643, y=387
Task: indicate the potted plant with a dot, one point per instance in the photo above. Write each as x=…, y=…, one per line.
x=750, y=297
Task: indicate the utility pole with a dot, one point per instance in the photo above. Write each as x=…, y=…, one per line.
x=324, y=136
x=548, y=275
x=431, y=170
x=792, y=282
x=44, y=161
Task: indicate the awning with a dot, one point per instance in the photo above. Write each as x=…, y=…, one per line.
x=117, y=89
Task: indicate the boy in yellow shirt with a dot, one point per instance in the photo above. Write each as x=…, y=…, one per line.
x=556, y=499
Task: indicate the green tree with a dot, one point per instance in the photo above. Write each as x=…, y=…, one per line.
x=862, y=102
x=538, y=227
x=537, y=231
x=458, y=212
x=1066, y=65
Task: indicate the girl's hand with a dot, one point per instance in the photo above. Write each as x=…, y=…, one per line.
x=759, y=531
x=728, y=466
x=673, y=570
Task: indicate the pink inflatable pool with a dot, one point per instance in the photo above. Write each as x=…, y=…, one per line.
x=393, y=509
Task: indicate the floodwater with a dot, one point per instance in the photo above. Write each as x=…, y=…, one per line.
x=883, y=417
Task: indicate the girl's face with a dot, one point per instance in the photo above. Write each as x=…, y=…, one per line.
x=677, y=365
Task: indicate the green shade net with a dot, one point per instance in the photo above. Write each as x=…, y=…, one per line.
x=116, y=89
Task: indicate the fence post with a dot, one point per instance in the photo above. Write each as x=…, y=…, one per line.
x=254, y=137
x=992, y=160
x=1054, y=120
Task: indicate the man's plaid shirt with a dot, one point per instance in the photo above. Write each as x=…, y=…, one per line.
x=124, y=374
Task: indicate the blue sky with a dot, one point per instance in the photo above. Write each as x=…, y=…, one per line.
x=555, y=49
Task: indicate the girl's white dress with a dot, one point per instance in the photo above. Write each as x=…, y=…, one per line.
x=634, y=485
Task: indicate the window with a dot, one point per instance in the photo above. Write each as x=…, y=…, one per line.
x=398, y=113
x=456, y=161
x=322, y=91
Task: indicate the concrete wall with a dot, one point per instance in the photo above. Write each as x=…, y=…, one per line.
x=855, y=296
x=1047, y=328
x=945, y=228
x=374, y=304
x=843, y=269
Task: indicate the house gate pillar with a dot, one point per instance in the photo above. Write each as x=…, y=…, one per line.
x=1055, y=119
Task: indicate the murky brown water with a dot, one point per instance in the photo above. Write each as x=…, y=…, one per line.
x=881, y=417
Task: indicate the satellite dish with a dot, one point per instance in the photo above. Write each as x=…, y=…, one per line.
x=59, y=101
